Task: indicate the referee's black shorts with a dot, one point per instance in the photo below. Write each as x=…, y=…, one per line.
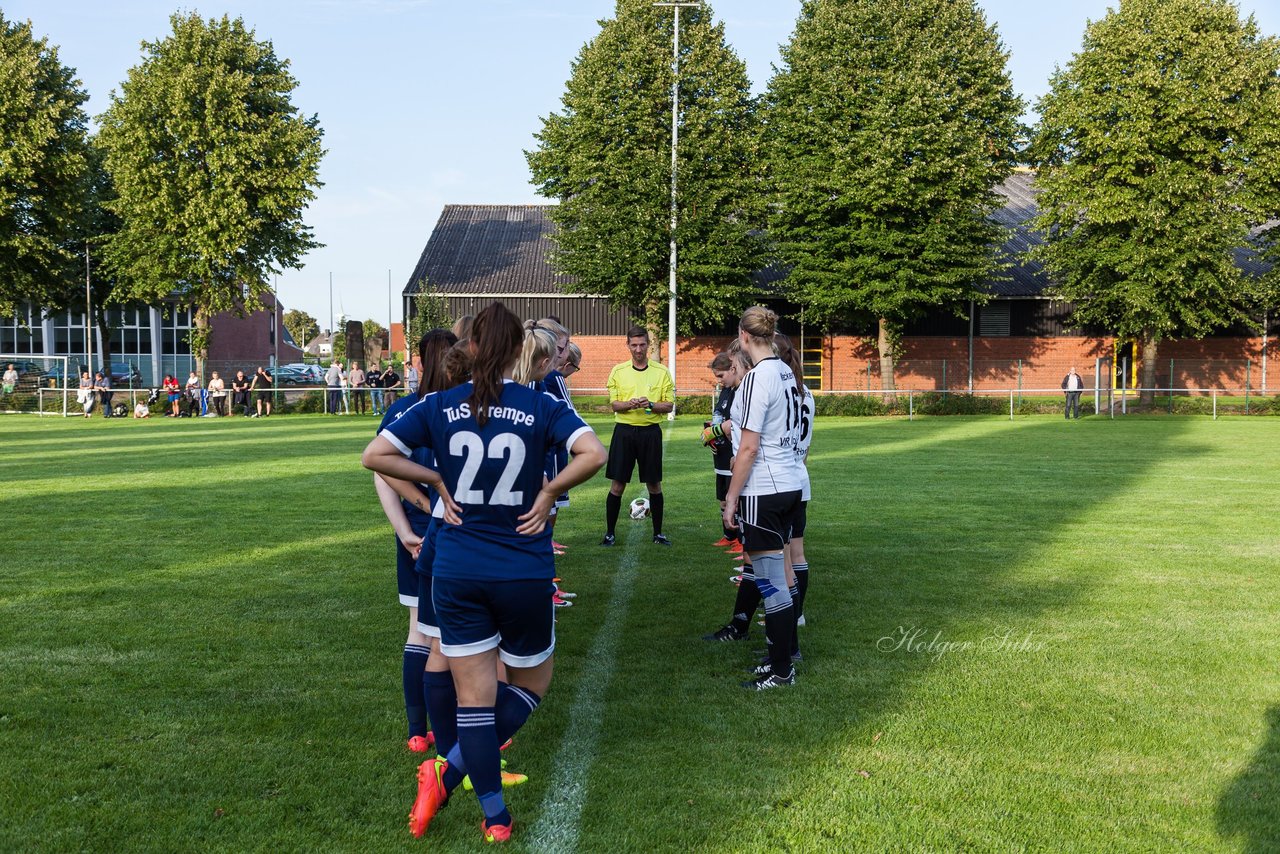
x=631, y=445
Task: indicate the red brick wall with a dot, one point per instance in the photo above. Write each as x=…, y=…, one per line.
x=248, y=338
x=999, y=363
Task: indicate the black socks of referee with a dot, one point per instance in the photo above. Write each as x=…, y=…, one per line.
x=655, y=509
x=612, y=507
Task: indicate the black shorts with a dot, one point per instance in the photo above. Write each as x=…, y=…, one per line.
x=722, y=485
x=801, y=519
x=264, y=395
x=631, y=445
x=766, y=520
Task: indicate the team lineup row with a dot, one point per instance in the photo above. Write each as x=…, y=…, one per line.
x=471, y=472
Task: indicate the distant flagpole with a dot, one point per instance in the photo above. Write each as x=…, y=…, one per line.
x=675, y=142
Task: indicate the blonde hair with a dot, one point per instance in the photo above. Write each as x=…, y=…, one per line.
x=740, y=355
x=539, y=343
x=574, y=352
x=760, y=323
x=556, y=327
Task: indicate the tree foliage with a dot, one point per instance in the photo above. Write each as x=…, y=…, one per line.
x=43, y=168
x=1156, y=152
x=430, y=311
x=886, y=129
x=302, y=326
x=214, y=168
x=607, y=158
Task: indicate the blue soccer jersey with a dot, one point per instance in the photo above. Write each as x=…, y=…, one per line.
x=554, y=385
x=494, y=473
x=418, y=519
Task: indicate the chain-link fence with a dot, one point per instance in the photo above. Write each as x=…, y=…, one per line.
x=1189, y=376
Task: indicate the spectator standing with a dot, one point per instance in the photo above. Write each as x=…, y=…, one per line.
x=240, y=393
x=390, y=385
x=102, y=385
x=356, y=378
x=191, y=390
x=84, y=395
x=411, y=374
x=640, y=393
x=1072, y=386
x=10, y=381
x=218, y=394
x=262, y=383
x=373, y=378
x=173, y=395
x=333, y=380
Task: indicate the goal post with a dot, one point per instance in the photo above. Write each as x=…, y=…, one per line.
x=43, y=385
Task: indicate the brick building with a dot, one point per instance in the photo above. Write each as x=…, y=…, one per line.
x=152, y=338
x=1020, y=339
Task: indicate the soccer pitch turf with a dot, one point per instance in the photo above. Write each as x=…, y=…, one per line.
x=1038, y=635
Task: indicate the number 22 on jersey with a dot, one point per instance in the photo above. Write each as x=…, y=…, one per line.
x=471, y=448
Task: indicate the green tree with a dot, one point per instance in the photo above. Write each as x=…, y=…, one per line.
x=373, y=330
x=607, y=158
x=43, y=166
x=430, y=311
x=302, y=326
x=213, y=166
x=1149, y=176
x=886, y=129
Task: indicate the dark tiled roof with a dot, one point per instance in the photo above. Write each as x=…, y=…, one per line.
x=1023, y=277
x=489, y=249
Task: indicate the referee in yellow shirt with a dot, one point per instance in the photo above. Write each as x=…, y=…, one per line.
x=640, y=394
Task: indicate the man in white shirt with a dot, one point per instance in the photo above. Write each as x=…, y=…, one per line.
x=1072, y=386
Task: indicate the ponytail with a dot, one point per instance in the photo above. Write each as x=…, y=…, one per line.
x=497, y=335
x=539, y=343
x=432, y=348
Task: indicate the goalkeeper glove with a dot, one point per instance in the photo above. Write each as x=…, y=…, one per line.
x=712, y=433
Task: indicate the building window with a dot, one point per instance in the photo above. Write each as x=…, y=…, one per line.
x=993, y=320
x=22, y=332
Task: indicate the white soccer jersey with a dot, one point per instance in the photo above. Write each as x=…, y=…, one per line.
x=768, y=403
x=807, y=410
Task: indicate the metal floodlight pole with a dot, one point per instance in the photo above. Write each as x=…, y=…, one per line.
x=88, y=314
x=675, y=142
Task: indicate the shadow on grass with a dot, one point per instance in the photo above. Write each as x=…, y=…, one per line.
x=1249, y=810
x=930, y=531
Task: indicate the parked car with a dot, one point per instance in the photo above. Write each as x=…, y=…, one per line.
x=313, y=371
x=290, y=375
x=123, y=375
x=54, y=378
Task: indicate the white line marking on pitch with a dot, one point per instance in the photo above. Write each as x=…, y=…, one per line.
x=559, y=824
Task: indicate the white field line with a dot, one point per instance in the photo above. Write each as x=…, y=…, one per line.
x=559, y=823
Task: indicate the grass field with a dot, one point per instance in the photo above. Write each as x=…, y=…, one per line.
x=1038, y=635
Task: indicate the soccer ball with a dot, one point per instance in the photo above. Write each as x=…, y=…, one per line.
x=639, y=508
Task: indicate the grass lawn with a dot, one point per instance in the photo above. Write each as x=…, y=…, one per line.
x=1037, y=635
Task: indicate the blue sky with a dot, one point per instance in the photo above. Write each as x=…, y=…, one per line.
x=430, y=102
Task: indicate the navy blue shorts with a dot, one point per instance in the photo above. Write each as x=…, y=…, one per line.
x=516, y=617
x=427, y=623
x=406, y=577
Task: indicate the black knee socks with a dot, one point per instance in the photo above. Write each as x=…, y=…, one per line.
x=612, y=507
